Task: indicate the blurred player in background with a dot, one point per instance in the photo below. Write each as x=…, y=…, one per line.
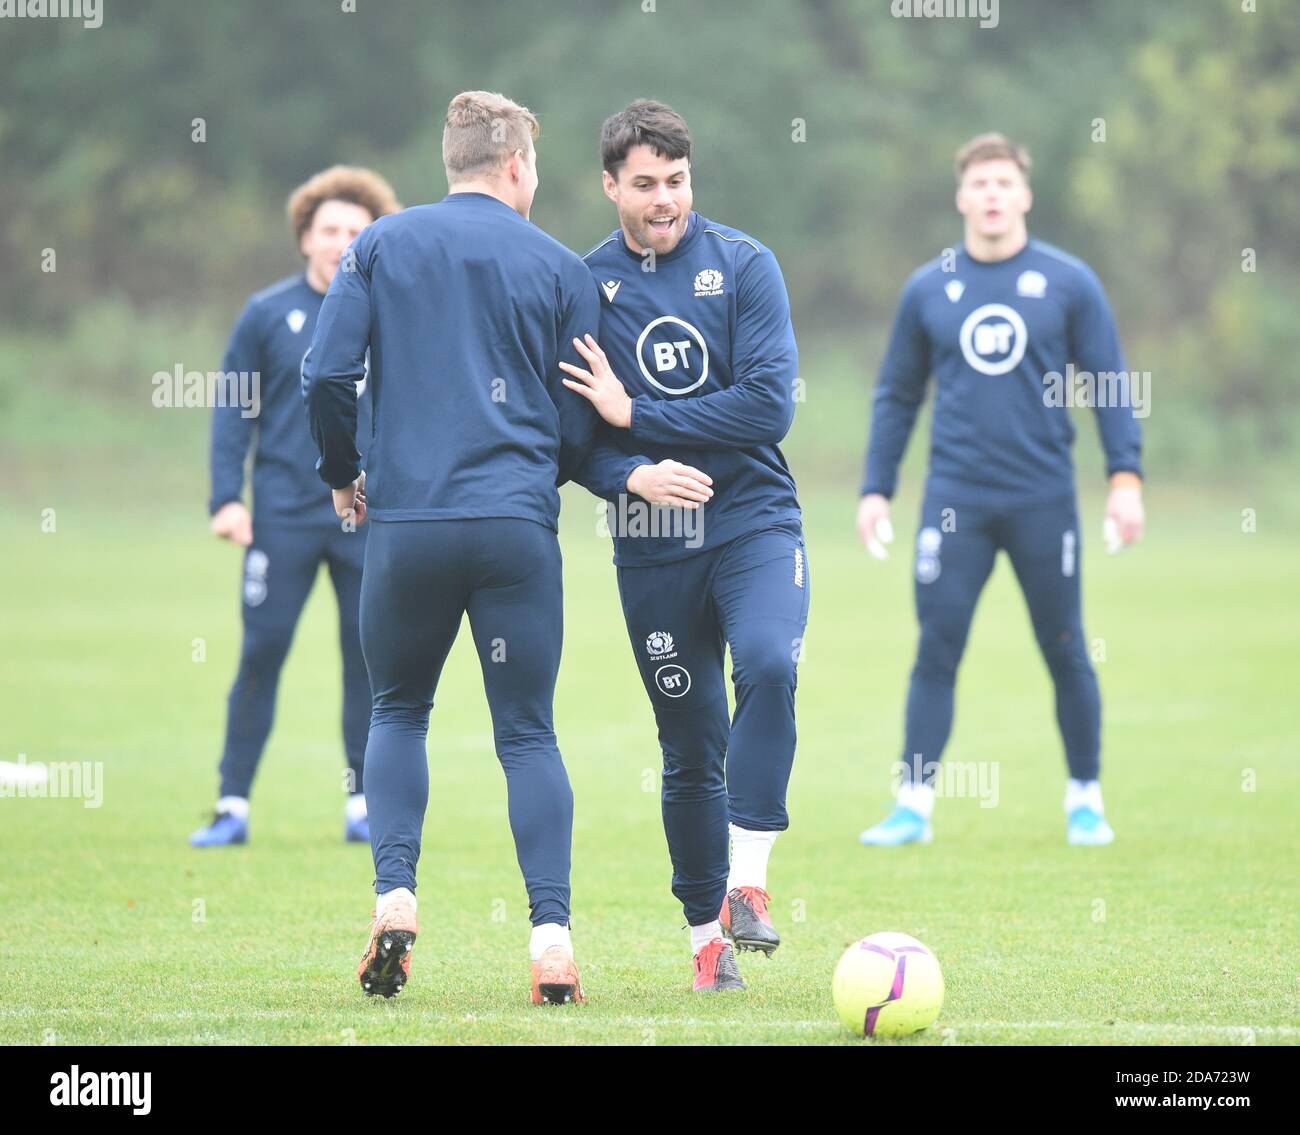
x=466, y=308
x=292, y=528
x=696, y=322
x=997, y=327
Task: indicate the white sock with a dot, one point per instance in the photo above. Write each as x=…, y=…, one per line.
x=749, y=852
x=701, y=936
x=388, y=897
x=355, y=809
x=1083, y=792
x=918, y=797
x=545, y=936
x=236, y=805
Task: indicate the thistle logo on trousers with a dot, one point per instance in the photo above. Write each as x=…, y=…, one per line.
x=255, y=569
x=660, y=646
x=928, y=543
x=1067, y=552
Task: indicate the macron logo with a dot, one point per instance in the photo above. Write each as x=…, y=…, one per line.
x=611, y=288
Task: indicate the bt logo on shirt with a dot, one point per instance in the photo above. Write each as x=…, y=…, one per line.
x=993, y=338
x=673, y=355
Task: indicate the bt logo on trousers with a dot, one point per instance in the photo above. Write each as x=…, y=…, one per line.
x=993, y=338
x=673, y=680
x=673, y=355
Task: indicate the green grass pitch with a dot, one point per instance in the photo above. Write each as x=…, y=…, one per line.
x=1183, y=932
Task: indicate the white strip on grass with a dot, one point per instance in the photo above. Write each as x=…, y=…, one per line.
x=1138, y=1029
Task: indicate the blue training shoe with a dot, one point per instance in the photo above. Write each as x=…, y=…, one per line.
x=1088, y=827
x=902, y=825
x=226, y=829
x=356, y=831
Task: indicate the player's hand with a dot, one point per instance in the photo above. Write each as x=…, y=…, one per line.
x=874, y=526
x=670, y=483
x=599, y=386
x=233, y=522
x=1125, y=516
x=350, y=501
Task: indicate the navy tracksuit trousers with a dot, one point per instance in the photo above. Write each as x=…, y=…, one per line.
x=280, y=567
x=421, y=577
x=750, y=594
x=955, y=550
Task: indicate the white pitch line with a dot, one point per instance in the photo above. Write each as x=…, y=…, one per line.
x=498, y=1016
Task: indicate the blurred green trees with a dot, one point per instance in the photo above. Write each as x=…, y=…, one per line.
x=1165, y=135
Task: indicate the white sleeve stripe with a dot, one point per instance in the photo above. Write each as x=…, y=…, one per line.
x=1055, y=254
x=735, y=239
x=598, y=247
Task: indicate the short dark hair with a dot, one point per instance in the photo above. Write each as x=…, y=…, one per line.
x=645, y=122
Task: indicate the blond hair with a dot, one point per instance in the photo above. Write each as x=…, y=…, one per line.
x=483, y=129
x=353, y=184
x=990, y=148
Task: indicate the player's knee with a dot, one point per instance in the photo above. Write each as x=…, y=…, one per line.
x=262, y=655
x=694, y=748
x=1065, y=653
x=770, y=661
x=389, y=713
x=693, y=782
x=940, y=651
x=519, y=748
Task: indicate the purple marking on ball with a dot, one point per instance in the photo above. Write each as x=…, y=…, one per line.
x=876, y=948
x=895, y=992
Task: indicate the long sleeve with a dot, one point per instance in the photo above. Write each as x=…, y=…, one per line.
x=580, y=316
x=899, y=394
x=606, y=468
x=758, y=408
x=232, y=431
x=1095, y=348
x=334, y=364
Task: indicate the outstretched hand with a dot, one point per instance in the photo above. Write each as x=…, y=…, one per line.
x=599, y=385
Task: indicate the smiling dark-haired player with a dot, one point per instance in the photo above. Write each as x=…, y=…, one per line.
x=993, y=326
x=696, y=369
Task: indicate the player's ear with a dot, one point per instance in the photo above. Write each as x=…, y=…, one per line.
x=1029, y=198
x=609, y=185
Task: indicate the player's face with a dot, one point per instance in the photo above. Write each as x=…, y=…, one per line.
x=653, y=196
x=994, y=197
x=335, y=225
